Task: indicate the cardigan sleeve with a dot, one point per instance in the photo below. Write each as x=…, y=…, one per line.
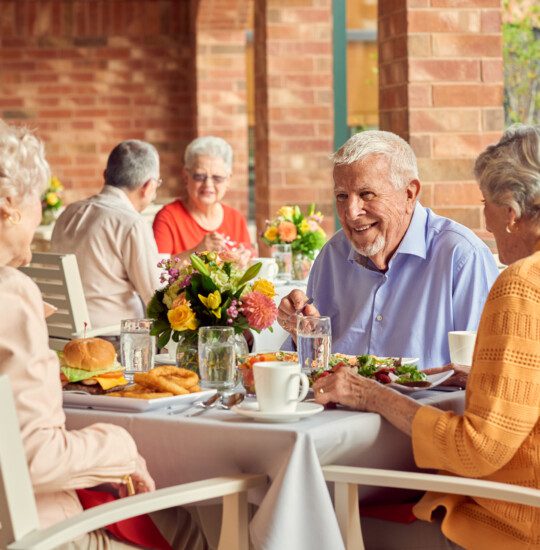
x=503, y=391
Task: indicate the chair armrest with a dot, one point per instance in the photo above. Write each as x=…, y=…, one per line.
x=433, y=482
x=110, y=330
x=98, y=517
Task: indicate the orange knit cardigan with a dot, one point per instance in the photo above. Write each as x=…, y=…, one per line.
x=498, y=436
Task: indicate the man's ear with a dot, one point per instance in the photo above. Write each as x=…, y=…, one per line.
x=413, y=190
x=146, y=188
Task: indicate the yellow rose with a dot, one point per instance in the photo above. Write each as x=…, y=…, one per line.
x=286, y=212
x=51, y=198
x=264, y=287
x=271, y=233
x=212, y=301
x=182, y=318
x=55, y=184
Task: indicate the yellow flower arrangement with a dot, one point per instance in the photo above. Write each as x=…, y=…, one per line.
x=51, y=201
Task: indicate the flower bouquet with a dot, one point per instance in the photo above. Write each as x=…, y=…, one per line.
x=211, y=290
x=302, y=231
x=51, y=201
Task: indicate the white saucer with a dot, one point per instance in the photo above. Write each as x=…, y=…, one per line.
x=251, y=410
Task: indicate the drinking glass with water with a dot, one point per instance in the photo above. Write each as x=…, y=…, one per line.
x=217, y=357
x=313, y=341
x=137, y=346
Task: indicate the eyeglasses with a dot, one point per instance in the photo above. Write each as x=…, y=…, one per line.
x=201, y=178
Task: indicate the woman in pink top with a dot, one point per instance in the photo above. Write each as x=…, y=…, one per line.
x=198, y=220
x=59, y=461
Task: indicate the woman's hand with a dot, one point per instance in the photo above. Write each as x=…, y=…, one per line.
x=345, y=387
x=142, y=480
x=294, y=303
x=212, y=241
x=459, y=378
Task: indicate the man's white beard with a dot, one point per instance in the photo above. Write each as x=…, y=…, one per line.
x=373, y=248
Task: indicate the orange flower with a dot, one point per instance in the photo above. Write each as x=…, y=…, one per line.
x=287, y=232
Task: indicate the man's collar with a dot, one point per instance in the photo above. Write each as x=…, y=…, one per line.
x=118, y=193
x=413, y=242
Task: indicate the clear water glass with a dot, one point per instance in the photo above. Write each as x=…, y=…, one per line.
x=314, y=342
x=282, y=254
x=137, y=346
x=217, y=358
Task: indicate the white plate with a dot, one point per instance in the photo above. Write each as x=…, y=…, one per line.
x=164, y=359
x=404, y=360
x=433, y=379
x=251, y=410
x=129, y=404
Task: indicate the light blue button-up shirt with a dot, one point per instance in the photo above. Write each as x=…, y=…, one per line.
x=437, y=281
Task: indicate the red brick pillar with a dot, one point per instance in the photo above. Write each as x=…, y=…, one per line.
x=221, y=84
x=293, y=106
x=441, y=88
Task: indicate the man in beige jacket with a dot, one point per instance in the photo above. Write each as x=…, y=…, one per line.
x=114, y=245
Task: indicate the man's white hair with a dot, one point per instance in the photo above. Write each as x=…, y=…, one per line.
x=400, y=156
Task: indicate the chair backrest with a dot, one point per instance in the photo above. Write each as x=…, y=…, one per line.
x=18, y=513
x=58, y=278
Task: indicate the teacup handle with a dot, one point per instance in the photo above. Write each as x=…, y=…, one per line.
x=304, y=386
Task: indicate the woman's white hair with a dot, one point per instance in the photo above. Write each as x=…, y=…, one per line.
x=210, y=146
x=400, y=156
x=23, y=168
x=509, y=171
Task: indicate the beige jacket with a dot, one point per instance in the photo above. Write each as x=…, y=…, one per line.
x=59, y=460
x=116, y=253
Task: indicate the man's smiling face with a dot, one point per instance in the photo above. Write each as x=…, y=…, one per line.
x=374, y=214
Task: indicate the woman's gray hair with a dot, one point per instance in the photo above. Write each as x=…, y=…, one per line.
x=131, y=164
x=210, y=146
x=400, y=156
x=23, y=168
x=509, y=171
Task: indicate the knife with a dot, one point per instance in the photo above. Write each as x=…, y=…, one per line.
x=201, y=406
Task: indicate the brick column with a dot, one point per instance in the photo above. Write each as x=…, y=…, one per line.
x=293, y=106
x=441, y=88
x=221, y=84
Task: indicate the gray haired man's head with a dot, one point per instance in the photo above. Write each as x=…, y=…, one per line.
x=399, y=154
x=131, y=164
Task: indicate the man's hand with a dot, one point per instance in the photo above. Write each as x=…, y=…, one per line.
x=459, y=378
x=296, y=302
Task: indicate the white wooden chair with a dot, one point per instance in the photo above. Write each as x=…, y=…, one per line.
x=347, y=479
x=58, y=278
x=19, y=526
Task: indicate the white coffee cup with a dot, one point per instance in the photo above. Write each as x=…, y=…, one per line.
x=461, y=344
x=269, y=268
x=277, y=385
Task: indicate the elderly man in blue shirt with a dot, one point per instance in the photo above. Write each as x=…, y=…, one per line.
x=397, y=278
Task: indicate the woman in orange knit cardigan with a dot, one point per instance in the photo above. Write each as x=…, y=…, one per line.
x=498, y=436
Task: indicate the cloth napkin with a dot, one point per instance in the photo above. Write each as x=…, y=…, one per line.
x=139, y=530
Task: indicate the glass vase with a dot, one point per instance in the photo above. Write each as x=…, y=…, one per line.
x=301, y=266
x=187, y=353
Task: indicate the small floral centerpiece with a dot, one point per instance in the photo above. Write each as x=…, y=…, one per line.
x=212, y=290
x=302, y=231
x=51, y=201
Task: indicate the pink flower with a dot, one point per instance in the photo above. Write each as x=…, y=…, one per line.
x=259, y=310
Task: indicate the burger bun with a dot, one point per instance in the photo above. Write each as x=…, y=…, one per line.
x=90, y=354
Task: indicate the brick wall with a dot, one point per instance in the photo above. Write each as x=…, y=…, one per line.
x=221, y=75
x=88, y=74
x=293, y=105
x=441, y=88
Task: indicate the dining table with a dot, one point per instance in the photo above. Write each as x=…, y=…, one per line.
x=295, y=510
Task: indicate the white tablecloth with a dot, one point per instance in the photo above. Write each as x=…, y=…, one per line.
x=295, y=512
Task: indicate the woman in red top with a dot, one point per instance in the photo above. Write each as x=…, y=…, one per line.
x=199, y=221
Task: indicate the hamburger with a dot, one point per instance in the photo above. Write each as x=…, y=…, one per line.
x=90, y=365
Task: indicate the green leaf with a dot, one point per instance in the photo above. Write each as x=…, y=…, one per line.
x=164, y=338
x=250, y=273
x=199, y=265
x=156, y=305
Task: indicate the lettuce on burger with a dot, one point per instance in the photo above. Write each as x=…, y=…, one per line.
x=89, y=364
